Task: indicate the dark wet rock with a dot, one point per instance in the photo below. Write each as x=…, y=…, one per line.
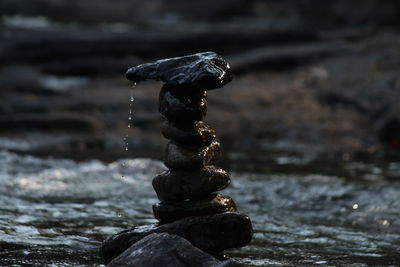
x=171, y=211
x=211, y=233
x=182, y=108
x=197, y=134
x=202, y=71
x=189, y=158
x=181, y=185
x=167, y=250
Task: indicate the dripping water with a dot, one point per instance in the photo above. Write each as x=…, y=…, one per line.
x=130, y=116
x=126, y=136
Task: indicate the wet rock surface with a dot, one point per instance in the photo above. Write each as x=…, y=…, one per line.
x=197, y=134
x=190, y=158
x=211, y=233
x=171, y=211
x=202, y=71
x=179, y=185
x=167, y=250
x=183, y=108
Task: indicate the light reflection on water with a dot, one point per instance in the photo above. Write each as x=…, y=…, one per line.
x=56, y=213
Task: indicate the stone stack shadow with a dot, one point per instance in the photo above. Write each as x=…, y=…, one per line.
x=190, y=205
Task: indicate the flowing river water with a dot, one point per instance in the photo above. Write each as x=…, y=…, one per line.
x=56, y=212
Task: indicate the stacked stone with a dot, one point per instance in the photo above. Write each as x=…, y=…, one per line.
x=190, y=205
x=187, y=188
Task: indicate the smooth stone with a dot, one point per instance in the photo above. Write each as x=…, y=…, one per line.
x=180, y=185
x=171, y=211
x=211, y=233
x=182, y=109
x=166, y=250
x=197, y=134
x=189, y=158
x=202, y=71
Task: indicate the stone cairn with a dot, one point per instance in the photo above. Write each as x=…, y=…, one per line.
x=190, y=206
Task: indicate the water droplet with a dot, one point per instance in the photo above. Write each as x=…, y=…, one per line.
x=130, y=117
x=355, y=206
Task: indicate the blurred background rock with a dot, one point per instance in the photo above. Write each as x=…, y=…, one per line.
x=314, y=79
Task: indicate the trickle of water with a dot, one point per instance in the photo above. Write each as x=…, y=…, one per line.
x=131, y=100
x=130, y=117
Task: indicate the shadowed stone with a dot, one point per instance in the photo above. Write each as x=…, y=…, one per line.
x=197, y=134
x=171, y=211
x=202, y=71
x=181, y=185
x=211, y=233
x=190, y=158
x=166, y=250
x=182, y=108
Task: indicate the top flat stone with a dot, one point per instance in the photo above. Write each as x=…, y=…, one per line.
x=202, y=71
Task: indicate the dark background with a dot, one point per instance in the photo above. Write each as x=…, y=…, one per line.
x=318, y=80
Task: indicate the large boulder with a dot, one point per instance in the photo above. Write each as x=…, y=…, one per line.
x=168, y=251
x=212, y=233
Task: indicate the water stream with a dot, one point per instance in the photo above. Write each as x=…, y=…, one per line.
x=56, y=212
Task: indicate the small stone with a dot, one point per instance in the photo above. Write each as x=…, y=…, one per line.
x=212, y=234
x=181, y=185
x=182, y=108
x=171, y=211
x=197, y=134
x=166, y=250
x=190, y=158
x=202, y=71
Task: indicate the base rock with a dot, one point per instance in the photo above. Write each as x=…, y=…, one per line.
x=212, y=234
x=168, y=251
